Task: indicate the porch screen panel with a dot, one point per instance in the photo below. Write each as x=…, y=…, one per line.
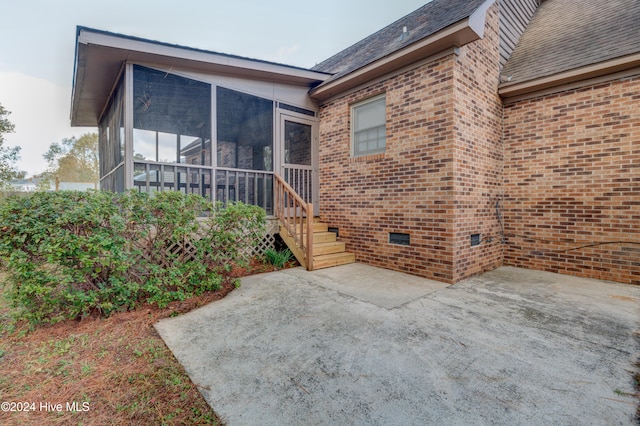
x=245, y=130
x=111, y=141
x=170, y=114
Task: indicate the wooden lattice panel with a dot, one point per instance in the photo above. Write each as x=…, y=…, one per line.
x=185, y=250
x=268, y=242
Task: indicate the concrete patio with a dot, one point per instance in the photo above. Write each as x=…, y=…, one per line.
x=356, y=345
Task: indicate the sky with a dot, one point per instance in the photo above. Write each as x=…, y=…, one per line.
x=37, y=46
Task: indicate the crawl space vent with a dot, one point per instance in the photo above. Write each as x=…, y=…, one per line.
x=398, y=238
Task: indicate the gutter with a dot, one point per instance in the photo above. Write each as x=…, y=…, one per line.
x=567, y=80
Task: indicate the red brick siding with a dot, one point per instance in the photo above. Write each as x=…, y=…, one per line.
x=567, y=167
x=443, y=133
x=407, y=189
x=478, y=153
x=572, y=178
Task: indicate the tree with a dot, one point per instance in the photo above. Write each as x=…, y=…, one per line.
x=9, y=156
x=73, y=160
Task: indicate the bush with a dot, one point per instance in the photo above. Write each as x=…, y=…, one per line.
x=72, y=254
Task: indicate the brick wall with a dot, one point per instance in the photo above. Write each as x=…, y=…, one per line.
x=566, y=167
x=408, y=189
x=440, y=174
x=572, y=178
x=478, y=160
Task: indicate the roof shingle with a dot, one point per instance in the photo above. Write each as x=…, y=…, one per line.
x=567, y=34
x=425, y=21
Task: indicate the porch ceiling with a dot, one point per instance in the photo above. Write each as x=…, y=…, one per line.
x=100, y=56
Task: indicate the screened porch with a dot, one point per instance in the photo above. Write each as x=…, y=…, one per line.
x=162, y=131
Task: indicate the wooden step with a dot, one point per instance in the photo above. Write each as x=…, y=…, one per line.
x=335, y=259
x=324, y=237
x=327, y=252
x=317, y=227
x=304, y=220
x=328, y=248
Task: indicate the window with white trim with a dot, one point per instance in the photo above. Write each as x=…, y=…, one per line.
x=368, y=127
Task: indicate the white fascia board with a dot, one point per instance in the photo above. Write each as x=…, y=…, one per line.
x=183, y=55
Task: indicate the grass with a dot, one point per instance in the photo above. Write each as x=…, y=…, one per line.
x=116, y=370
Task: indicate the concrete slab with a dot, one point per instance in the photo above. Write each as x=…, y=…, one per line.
x=382, y=287
x=509, y=347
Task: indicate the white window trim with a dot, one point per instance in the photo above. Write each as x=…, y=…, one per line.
x=352, y=125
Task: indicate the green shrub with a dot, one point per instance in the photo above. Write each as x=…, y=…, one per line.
x=71, y=254
x=278, y=258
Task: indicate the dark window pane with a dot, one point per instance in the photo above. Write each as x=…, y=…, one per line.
x=297, y=143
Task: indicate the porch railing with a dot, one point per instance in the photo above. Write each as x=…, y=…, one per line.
x=300, y=178
x=216, y=183
x=296, y=216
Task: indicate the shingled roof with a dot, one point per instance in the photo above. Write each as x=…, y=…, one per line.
x=422, y=23
x=566, y=35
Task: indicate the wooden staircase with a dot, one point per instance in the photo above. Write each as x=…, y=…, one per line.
x=308, y=239
x=327, y=251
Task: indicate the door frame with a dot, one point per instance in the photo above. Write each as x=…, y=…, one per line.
x=279, y=154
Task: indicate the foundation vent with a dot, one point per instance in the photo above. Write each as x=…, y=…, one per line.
x=400, y=239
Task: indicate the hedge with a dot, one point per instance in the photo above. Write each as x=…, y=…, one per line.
x=71, y=254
